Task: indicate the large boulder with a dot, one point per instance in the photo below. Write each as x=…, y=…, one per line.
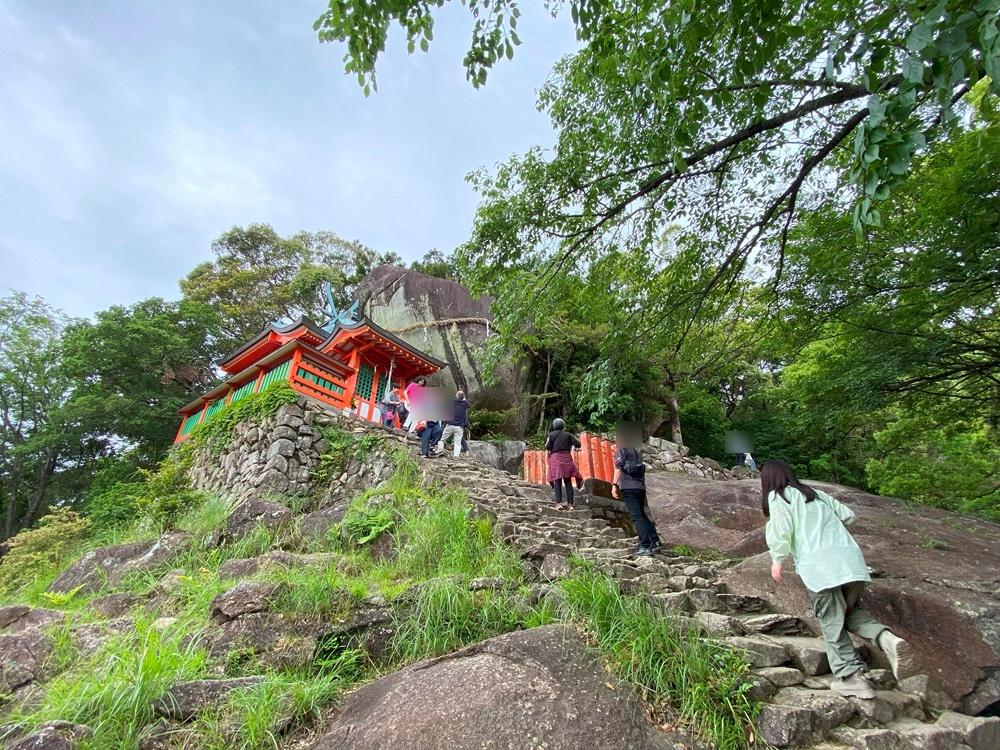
x=111, y=564
x=536, y=688
x=504, y=454
x=440, y=318
x=22, y=660
x=936, y=574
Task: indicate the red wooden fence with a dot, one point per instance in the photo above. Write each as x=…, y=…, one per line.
x=595, y=459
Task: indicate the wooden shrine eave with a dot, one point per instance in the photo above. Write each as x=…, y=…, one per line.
x=372, y=339
x=334, y=365
x=270, y=339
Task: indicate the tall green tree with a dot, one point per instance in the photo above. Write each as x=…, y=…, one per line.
x=132, y=368
x=259, y=277
x=676, y=109
x=32, y=390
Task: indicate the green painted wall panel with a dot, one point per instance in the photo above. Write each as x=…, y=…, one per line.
x=243, y=391
x=276, y=374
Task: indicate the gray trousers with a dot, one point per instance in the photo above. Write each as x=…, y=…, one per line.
x=839, y=613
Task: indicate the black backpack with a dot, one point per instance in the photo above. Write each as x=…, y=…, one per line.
x=634, y=467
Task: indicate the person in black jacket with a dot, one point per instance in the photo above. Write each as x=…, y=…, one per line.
x=629, y=484
x=562, y=468
x=455, y=427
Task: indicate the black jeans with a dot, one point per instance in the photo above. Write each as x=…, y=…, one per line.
x=558, y=486
x=430, y=437
x=635, y=501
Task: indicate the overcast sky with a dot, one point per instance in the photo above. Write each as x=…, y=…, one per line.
x=134, y=132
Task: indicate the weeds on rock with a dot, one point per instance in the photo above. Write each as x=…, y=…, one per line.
x=679, y=675
x=113, y=691
x=216, y=432
x=341, y=447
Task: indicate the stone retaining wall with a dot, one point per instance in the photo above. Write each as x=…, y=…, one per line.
x=662, y=455
x=276, y=456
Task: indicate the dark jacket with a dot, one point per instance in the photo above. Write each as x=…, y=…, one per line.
x=560, y=440
x=461, y=418
x=625, y=481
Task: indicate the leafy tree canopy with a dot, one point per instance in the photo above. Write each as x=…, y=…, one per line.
x=677, y=109
x=132, y=368
x=32, y=390
x=259, y=277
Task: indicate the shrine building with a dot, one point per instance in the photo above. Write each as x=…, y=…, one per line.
x=347, y=364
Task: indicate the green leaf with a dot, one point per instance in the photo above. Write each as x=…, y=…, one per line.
x=899, y=161
x=424, y=45
x=921, y=36
x=913, y=69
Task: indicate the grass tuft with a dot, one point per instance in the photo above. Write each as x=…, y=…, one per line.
x=680, y=675
x=113, y=691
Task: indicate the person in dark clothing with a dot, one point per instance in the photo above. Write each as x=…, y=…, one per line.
x=562, y=469
x=455, y=427
x=430, y=435
x=630, y=485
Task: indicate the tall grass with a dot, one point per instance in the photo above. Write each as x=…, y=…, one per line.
x=446, y=616
x=255, y=718
x=678, y=673
x=113, y=691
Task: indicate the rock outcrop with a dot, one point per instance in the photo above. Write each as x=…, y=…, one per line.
x=441, y=318
x=936, y=575
x=540, y=688
x=110, y=565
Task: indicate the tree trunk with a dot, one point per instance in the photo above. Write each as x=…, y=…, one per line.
x=674, y=416
x=541, y=408
x=45, y=471
x=12, y=501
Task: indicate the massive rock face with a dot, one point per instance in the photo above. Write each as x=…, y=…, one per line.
x=420, y=310
x=936, y=575
x=539, y=688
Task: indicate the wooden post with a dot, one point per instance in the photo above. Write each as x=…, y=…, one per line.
x=609, y=460
x=595, y=451
x=586, y=460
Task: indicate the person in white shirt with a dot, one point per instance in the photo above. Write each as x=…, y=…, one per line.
x=811, y=526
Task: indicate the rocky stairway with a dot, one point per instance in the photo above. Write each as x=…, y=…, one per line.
x=789, y=666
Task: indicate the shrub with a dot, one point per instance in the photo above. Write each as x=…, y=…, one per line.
x=486, y=423
x=118, y=505
x=35, y=553
x=166, y=494
x=110, y=501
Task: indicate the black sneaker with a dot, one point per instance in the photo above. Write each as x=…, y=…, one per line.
x=656, y=546
x=643, y=551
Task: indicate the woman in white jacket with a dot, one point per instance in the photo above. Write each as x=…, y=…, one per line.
x=811, y=526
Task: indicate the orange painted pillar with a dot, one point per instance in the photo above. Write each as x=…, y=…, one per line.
x=530, y=468
x=586, y=460
x=609, y=460
x=595, y=452
x=543, y=467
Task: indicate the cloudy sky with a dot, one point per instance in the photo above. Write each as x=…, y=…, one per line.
x=134, y=132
